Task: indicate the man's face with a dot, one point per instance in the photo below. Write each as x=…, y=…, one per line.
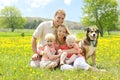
x=59, y=19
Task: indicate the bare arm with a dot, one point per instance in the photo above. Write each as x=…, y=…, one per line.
x=34, y=45
x=51, y=56
x=70, y=51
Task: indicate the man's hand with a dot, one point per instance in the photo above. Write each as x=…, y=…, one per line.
x=35, y=56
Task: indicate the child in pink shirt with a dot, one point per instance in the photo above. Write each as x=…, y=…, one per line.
x=49, y=58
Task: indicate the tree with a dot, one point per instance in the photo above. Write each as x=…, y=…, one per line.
x=10, y=17
x=32, y=24
x=102, y=13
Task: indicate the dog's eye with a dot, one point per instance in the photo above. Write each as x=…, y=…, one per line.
x=96, y=32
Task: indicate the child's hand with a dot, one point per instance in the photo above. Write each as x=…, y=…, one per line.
x=59, y=51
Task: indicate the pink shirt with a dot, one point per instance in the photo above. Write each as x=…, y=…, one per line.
x=52, y=50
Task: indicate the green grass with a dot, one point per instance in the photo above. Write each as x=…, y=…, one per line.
x=16, y=51
x=17, y=32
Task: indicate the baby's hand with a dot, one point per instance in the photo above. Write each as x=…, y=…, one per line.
x=59, y=51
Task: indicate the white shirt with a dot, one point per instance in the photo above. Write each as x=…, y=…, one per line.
x=42, y=30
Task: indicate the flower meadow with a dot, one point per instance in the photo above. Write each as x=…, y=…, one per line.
x=16, y=52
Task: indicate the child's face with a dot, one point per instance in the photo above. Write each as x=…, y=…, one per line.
x=70, y=43
x=50, y=42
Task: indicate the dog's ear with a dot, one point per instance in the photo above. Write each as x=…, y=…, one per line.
x=97, y=30
x=88, y=29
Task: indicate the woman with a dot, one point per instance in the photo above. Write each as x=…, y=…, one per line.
x=61, y=34
x=80, y=62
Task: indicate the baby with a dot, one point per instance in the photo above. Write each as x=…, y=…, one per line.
x=69, y=57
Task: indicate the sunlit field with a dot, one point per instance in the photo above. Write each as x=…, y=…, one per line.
x=16, y=51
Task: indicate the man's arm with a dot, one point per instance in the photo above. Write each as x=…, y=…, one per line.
x=34, y=45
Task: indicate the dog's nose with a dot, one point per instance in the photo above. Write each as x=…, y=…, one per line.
x=94, y=35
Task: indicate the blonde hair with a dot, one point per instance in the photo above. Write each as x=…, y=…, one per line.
x=50, y=36
x=70, y=37
x=67, y=30
x=60, y=11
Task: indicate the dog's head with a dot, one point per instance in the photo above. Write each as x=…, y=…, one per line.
x=92, y=34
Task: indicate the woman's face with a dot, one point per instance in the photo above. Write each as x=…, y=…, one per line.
x=61, y=32
x=59, y=19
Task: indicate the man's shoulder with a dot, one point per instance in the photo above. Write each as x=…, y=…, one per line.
x=47, y=22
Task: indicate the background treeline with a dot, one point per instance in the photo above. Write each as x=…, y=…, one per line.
x=33, y=22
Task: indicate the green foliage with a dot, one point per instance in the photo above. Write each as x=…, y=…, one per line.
x=10, y=17
x=33, y=24
x=102, y=13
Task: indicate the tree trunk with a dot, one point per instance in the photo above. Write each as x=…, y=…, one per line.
x=99, y=25
x=101, y=33
x=108, y=32
x=12, y=29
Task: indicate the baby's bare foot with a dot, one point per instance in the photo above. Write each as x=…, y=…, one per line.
x=67, y=61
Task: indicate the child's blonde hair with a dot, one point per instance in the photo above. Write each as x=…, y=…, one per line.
x=50, y=36
x=70, y=37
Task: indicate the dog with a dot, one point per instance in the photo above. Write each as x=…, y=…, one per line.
x=90, y=44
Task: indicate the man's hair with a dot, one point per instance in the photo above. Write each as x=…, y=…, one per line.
x=60, y=11
x=49, y=36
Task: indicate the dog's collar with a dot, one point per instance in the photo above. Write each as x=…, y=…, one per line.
x=93, y=43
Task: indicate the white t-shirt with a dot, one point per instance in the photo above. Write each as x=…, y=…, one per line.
x=42, y=30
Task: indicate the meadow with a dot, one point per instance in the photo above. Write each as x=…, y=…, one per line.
x=16, y=52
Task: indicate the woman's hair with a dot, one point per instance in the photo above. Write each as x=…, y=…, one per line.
x=60, y=11
x=67, y=30
x=50, y=36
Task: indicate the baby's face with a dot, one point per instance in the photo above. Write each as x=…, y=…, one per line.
x=50, y=42
x=70, y=43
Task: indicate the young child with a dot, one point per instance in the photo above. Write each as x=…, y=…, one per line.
x=69, y=57
x=49, y=59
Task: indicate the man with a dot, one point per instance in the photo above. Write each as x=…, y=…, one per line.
x=41, y=31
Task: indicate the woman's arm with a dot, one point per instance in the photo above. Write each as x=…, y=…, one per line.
x=70, y=51
x=74, y=50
